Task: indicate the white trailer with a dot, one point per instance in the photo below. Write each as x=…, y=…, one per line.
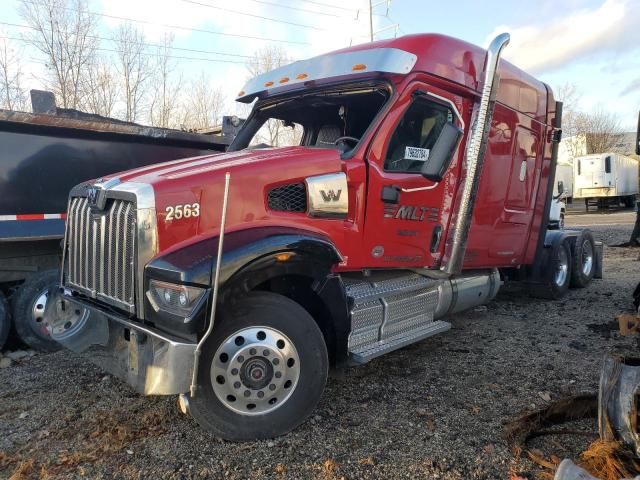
x=605, y=179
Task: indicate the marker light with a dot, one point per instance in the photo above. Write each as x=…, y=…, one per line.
x=301, y=76
x=358, y=67
x=268, y=84
x=284, y=79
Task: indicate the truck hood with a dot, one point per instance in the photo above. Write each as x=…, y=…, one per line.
x=196, y=184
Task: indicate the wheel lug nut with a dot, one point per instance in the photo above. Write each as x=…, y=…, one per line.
x=252, y=351
x=278, y=374
x=247, y=393
x=237, y=385
x=275, y=361
x=240, y=359
x=260, y=394
x=234, y=371
x=265, y=353
x=272, y=387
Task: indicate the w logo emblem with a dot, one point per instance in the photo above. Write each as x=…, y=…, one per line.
x=330, y=195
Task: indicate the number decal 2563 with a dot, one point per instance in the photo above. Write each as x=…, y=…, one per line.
x=188, y=210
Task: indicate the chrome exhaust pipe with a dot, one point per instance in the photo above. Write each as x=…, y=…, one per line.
x=474, y=158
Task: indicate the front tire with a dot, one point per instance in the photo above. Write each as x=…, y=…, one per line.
x=262, y=371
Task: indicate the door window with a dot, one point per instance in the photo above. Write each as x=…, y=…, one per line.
x=415, y=135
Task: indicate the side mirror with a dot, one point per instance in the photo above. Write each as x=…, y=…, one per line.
x=442, y=152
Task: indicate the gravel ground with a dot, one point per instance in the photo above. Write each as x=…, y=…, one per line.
x=432, y=410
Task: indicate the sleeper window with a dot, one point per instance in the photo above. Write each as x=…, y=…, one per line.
x=415, y=135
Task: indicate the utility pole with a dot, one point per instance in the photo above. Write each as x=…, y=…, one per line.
x=371, y=20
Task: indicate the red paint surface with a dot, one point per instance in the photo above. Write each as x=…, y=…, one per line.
x=508, y=213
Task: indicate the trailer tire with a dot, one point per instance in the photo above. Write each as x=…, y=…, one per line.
x=584, y=260
x=557, y=275
x=5, y=320
x=262, y=371
x=29, y=302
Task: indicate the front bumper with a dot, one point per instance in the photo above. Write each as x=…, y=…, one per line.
x=152, y=362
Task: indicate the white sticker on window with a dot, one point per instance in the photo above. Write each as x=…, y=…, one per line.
x=415, y=153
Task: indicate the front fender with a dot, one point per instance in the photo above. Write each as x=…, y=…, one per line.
x=247, y=255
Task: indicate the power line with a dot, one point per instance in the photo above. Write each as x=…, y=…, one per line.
x=190, y=29
x=214, y=60
x=261, y=17
x=329, y=5
x=193, y=50
x=298, y=9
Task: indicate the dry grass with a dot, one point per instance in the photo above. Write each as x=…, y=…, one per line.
x=609, y=460
x=85, y=441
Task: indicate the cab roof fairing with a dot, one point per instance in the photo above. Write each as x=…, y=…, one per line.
x=329, y=66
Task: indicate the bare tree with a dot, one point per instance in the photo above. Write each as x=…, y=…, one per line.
x=133, y=67
x=63, y=31
x=573, y=138
x=262, y=61
x=601, y=130
x=13, y=95
x=165, y=97
x=204, y=105
x=101, y=88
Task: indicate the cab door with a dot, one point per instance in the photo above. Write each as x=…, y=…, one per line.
x=407, y=215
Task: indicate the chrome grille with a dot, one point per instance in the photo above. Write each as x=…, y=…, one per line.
x=101, y=251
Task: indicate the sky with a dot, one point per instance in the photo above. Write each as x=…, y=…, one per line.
x=594, y=44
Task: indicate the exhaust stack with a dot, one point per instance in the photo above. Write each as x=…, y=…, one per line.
x=474, y=158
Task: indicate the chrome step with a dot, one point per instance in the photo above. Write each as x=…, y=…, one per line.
x=371, y=351
x=389, y=311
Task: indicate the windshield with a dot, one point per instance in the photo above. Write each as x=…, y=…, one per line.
x=323, y=119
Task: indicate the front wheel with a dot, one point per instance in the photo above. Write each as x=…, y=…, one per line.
x=262, y=371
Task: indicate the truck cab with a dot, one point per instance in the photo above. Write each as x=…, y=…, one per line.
x=372, y=192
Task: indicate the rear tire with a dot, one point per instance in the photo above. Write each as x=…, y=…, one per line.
x=5, y=320
x=557, y=275
x=262, y=371
x=583, y=265
x=29, y=303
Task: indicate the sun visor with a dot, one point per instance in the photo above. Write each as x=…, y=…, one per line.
x=333, y=65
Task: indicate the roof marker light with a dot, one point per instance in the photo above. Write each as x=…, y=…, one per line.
x=284, y=79
x=301, y=76
x=241, y=93
x=358, y=67
x=268, y=84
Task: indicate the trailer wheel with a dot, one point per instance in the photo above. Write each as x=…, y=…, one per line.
x=29, y=304
x=262, y=371
x=557, y=274
x=584, y=261
x=5, y=320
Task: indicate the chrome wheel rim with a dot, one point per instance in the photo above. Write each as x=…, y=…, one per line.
x=255, y=370
x=66, y=323
x=562, y=268
x=587, y=257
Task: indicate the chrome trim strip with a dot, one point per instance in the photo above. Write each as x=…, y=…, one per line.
x=327, y=196
x=374, y=60
x=474, y=156
x=147, y=233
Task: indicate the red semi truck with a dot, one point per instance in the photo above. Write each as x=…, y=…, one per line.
x=413, y=177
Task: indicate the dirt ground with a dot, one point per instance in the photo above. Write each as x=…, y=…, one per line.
x=432, y=410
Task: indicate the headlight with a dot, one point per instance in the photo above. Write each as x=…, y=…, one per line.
x=178, y=300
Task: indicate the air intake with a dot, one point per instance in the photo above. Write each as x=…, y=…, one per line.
x=288, y=198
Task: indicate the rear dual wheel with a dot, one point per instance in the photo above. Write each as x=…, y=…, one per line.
x=262, y=371
x=557, y=276
x=584, y=260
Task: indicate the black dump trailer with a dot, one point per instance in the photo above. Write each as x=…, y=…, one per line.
x=42, y=156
